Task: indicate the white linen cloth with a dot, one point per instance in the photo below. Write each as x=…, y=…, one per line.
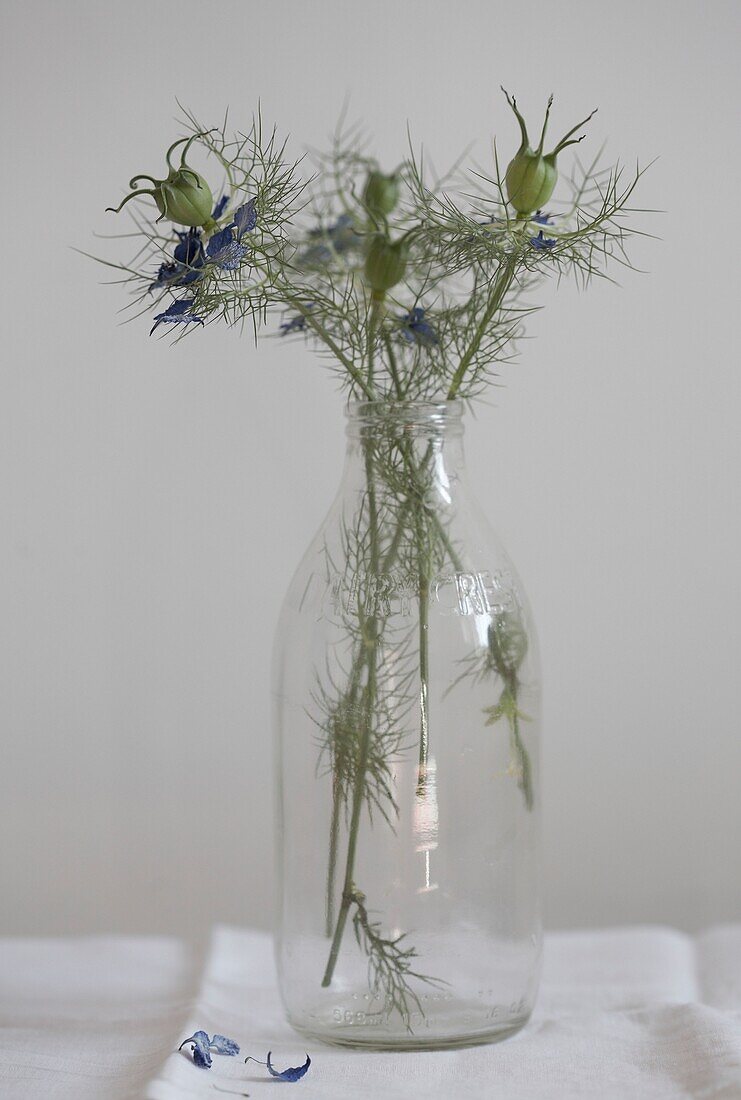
x=623, y=1014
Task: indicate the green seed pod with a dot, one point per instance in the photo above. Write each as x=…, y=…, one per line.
x=385, y=262
x=183, y=197
x=531, y=175
x=381, y=193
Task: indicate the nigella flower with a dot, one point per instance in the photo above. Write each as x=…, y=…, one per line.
x=201, y=1046
x=416, y=330
x=225, y=249
x=178, y=313
x=189, y=259
x=541, y=243
x=297, y=323
x=330, y=240
x=294, y=324
x=541, y=218
x=189, y=254
x=166, y=276
x=341, y=235
x=293, y=1073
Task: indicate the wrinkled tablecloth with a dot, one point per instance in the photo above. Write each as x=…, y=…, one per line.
x=623, y=1014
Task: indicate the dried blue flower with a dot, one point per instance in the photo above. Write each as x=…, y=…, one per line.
x=189, y=258
x=220, y=207
x=224, y=251
x=189, y=251
x=341, y=235
x=297, y=323
x=225, y=248
x=541, y=218
x=416, y=330
x=541, y=243
x=330, y=240
x=294, y=324
x=166, y=276
x=178, y=313
x=202, y=1047
x=293, y=1073
x=245, y=218
x=222, y=1045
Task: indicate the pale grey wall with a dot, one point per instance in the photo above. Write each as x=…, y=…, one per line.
x=154, y=500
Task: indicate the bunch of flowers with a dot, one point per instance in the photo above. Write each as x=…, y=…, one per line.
x=414, y=289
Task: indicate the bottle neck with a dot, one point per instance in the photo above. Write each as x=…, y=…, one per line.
x=405, y=447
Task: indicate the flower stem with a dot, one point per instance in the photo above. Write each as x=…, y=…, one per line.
x=423, y=597
x=369, y=631
x=412, y=517
x=424, y=660
x=501, y=286
x=393, y=367
x=364, y=385
x=334, y=839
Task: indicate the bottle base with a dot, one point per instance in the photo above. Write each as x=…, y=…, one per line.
x=362, y=1037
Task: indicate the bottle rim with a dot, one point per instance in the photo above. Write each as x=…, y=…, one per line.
x=413, y=411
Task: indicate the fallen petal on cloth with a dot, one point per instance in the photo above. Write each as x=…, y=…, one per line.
x=293, y=1073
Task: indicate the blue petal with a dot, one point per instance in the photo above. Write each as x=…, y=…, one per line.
x=189, y=277
x=201, y=1058
x=222, y=1045
x=293, y=1073
x=541, y=243
x=229, y=258
x=245, y=219
x=178, y=274
x=219, y=240
x=541, y=218
x=167, y=272
x=331, y=230
x=176, y=309
x=201, y=1055
x=190, y=249
x=342, y=236
x=295, y=324
x=177, y=313
x=426, y=335
x=415, y=329
x=223, y=250
x=220, y=207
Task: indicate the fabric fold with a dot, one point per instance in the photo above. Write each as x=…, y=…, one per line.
x=628, y=1012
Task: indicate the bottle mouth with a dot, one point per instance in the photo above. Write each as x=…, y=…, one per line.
x=405, y=412
x=431, y=420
